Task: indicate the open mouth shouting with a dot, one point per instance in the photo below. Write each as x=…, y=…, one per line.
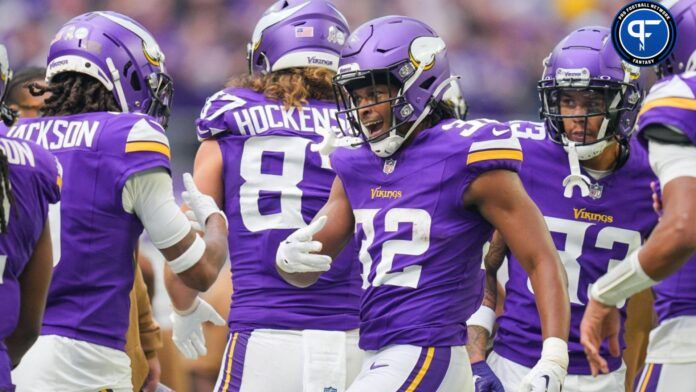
x=375, y=128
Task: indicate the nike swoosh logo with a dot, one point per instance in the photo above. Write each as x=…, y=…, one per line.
x=547, y=381
x=501, y=132
x=375, y=366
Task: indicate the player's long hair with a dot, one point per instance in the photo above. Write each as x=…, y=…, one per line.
x=5, y=190
x=74, y=93
x=292, y=86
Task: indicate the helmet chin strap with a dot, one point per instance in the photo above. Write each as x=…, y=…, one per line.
x=576, y=178
x=389, y=145
x=116, y=77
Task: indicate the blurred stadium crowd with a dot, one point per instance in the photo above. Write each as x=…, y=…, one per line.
x=495, y=45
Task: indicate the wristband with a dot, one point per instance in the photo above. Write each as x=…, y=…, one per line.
x=484, y=317
x=190, y=257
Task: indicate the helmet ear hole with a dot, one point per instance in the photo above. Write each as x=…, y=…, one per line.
x=259, y=60
x=427, y=83
x=135, y=82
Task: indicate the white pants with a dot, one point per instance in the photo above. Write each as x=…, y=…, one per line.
x=60, y=364
x=511, y=374
x=671, y=361
x=667, y=377
x=412, y=368
x=289, y=361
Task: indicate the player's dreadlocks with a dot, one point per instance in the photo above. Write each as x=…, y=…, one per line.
x=74, y=93
x=292, y=86
x=5, y=190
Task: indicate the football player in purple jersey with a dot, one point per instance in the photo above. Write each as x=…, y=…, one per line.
x=666, y=128
x=29, y=182
x=104, y=121
x=259, y=161
x=422, y=194
x=590, y=100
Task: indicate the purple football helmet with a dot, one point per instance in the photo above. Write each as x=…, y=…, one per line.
x=121, y=54
x=7, y=115
x=683, y=57
x=586, y=62
x=398, y=52
x=297, y=33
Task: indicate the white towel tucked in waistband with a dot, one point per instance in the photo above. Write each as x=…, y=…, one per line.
x=324, y=361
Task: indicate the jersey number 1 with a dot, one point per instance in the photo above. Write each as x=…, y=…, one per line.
x=416, y=246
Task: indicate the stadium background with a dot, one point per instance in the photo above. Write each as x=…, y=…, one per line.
x=497, y=47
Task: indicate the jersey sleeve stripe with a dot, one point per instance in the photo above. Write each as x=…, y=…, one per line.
x=59, y=181
x=148, y=146
x=511, y=143
x=493, y=155
x=143, y=131
x=677, y=103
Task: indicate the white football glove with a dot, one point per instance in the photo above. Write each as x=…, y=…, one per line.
x=187, y=329
x=294, y=255
x=330, y=142
x=549, y=373
x=202, y=205
x=194, y=221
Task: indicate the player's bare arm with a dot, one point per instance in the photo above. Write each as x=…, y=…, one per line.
x=670, y=245
x=501, y=199
x=478, y=336
x=34, y=283
x=189, y=310
x=674, y=239
x=332, y=237
x=207, y=175
x=208, y=171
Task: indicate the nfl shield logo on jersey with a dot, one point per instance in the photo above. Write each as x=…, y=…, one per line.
x=330, y=389
x=389, y=166
x=596, y=191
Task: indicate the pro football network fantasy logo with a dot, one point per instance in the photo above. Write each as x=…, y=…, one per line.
x=644, y=33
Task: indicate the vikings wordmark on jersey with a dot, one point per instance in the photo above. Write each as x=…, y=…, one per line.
x=590, y=233
x=421, y=249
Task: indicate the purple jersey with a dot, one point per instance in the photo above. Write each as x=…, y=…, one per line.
x=88, y=299
x=274, y=185
x=421, y=248
x=676, y=295
x=591, y=234
x=672, y=101
x=35, y=183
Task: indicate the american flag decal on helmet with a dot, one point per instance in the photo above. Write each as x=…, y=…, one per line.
x=304, y=32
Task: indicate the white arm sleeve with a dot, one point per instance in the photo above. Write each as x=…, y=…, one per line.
x=150, y=196
x=670, y=161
